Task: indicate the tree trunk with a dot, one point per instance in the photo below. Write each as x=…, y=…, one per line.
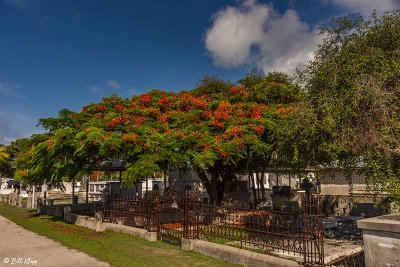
x=87, y=188
x=165, y=179
x=221, y=184
x=204, y=180
x=251, y=177
x=258, y=185
x=262, y=186
x=214, y=186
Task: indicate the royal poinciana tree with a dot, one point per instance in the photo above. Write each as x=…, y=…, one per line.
x=217, y=135
x=213, y=134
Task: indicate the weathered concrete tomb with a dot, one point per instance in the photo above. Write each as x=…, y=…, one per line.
x=381, y=237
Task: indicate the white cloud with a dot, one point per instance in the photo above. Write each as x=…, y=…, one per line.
x=367, y=6
x=17, y=3
x=10, y=90
x=234, y=31
x=102, y=89
x=254, y=33
x=15, y=125
x=95, y=89
x=114, y=84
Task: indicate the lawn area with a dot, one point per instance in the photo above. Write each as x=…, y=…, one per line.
x=116, y=248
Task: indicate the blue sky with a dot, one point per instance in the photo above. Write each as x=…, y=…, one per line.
x=66, y=54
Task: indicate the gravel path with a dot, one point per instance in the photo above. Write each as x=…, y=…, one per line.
x=21, y=247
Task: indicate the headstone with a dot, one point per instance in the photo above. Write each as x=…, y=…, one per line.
x=281, y=191
x=29, y=200
x=67, y=209
x=20, y=201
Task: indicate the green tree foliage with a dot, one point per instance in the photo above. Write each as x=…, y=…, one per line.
x=3, y=153
x=217, y=133
x=31, y=165
x=212, y=85
x=5, y=162
x=352, y=113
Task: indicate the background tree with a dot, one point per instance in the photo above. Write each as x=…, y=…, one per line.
x=212, y=85
x=3, y=154
x=352, y=108
x=5, y=162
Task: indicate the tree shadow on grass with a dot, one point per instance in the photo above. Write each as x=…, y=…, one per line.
x=32, y=214
x=51, y=218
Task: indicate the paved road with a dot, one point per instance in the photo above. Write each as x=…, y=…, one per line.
x=20, y=247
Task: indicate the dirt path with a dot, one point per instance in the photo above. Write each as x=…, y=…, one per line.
x=21, y=247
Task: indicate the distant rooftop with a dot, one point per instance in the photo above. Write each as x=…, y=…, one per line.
x=118, y=165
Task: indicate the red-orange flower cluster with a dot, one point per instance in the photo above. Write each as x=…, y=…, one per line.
x=100, y=108
x=260, y=129
x=131, y=137
x=50, y=143
x=257, y=112
x=240, y=90
x=145, y=99
x=119, y=107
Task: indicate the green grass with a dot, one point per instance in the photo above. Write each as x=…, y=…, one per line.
x=115, y=248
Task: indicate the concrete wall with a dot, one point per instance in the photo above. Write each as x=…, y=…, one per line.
x=339, y=177
x=381, y=248
x=381, y=237
x=58, y=210
x=235, y=255
x=96, y=224
x=84, y=221
x=150, y=236
x=342, y=190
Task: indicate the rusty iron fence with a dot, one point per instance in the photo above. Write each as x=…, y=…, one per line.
x=131, y=212
x=313, y=230
x=172, y=225
x=254, y=229
x=296, y=234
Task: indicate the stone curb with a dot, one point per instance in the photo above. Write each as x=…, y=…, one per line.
x=235, y=255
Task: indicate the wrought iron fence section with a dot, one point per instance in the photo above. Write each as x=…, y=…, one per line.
x=313, y=230
x=131, y=212
x=171, y=227
x=296, y=234
x=254, y=229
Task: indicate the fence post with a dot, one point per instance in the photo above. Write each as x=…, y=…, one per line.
x=196, y=209
x=157, y=216
x=148, y=228
x=304, y=216
x=313, y=230
x=185, y=216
